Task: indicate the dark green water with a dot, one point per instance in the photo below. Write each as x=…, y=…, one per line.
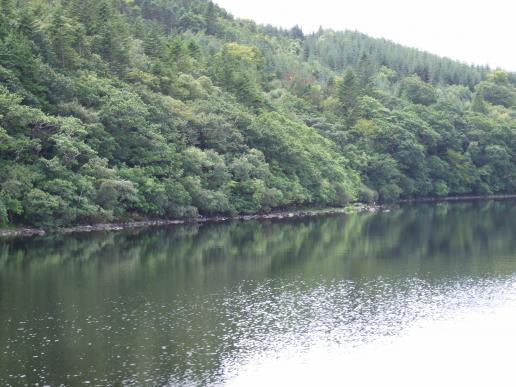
x=198, y=305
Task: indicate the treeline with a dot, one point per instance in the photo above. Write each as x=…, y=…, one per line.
x=342, y=50
x=154, y=109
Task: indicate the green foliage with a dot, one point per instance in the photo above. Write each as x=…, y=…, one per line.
x=237, y=69
x=497, y=93
x=417, y=91
x=301, y=154
x=348, y=91
x=350, y=49
x=478, y=105
x=128, y=110
x=3, y=213
x=41, y=208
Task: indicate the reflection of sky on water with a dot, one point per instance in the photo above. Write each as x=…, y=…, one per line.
x=456, y=335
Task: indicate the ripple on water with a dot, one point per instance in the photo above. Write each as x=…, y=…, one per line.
x=225, y=336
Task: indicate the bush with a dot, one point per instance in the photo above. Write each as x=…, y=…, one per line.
x=390, y=193
x=183, y=212
x=342, y=194
x=41, y=208
x=3, y=213
x=441, y=188
x=417, y=91
x=367, y=195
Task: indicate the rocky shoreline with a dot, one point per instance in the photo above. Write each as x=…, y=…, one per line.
x=29, y=232
x=356, y=208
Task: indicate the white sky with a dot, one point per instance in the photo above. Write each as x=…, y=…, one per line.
x=479, y=32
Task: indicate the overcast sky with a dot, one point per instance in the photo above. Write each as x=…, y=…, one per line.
x=479, y=32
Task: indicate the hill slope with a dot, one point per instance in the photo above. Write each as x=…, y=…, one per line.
x=168, y=108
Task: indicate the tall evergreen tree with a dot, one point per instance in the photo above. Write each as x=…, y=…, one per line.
x=211, y=19
x=365, y=72
x=478, y=104
x=348, y=91
x=7, y=17
x=297, y=33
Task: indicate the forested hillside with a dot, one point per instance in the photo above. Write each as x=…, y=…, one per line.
x=131, y=109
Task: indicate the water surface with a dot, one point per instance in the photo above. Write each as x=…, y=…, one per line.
x=421, y=295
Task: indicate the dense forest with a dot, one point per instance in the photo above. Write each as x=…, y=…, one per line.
x=138, y=109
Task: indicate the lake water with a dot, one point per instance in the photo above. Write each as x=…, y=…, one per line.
x=421, y=295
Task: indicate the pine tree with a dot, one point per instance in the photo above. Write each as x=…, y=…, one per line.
x=478, y=104
x=27, y=24
x=211, y=26
x=365, y=72
x=330, y=87
x=7, y=17
x=59, y=38
x=152, y=44
x=306, y=52
x=348, y=91
x=194, y=50
x=297, y=33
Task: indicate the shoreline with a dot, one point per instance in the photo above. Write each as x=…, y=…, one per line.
x=118, y=226
x=466, y=198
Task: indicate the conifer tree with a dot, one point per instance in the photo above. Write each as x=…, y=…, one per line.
x=7, y=17
x=365, y=72
x=211, y=26
x=348, y=91
x=478, y=104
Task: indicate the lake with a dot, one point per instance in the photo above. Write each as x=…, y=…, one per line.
x=423, y=294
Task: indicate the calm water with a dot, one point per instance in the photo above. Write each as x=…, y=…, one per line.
x=421, y=295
